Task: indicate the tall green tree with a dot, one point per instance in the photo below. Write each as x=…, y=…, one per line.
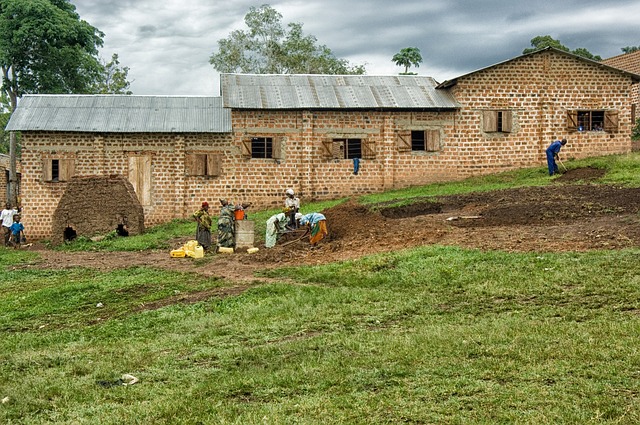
x=407, y=57
x=543, y=41
x=269, y=47
x=45, y=48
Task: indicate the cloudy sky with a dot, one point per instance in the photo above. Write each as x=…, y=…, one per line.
x=167, y=43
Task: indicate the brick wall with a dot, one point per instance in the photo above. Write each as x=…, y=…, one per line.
x=4, y=168
x=536, y=90
x=539, y=90
x=4, y=178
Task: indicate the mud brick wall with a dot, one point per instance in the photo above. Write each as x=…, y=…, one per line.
x=4, y=178
x=539, y=90
x=97, y=205
x=305, y=168
x=166, y=191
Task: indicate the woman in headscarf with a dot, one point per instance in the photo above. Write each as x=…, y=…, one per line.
x=318, y=225
x=203, y=230
x=275, y=225
x=291, y=207
x=226, y=225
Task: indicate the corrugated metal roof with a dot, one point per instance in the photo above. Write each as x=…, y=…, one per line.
x=454, y=81
x=121, y=114
x=282, y=91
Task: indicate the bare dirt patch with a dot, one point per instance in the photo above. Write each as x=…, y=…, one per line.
x=560, y=217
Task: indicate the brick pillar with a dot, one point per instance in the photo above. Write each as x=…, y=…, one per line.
x=307, y=170
x=388, y=153
x=179, y=182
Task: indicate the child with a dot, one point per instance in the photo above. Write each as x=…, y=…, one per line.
x=17, y=232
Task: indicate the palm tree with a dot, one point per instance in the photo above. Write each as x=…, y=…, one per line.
x=409, y=56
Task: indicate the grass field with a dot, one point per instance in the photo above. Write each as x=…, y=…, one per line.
x=429, y=335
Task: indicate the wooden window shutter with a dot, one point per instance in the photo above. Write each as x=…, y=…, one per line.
x=490, y=121
x=214, y=165
x=507, y=121
x=633, y=114
x=67, y=169
x=190, y=164
x=327, y=148
x=572, y=120
x=403, y=141
x=195, y=164
x=610, y=120
x=433, y=140
x=46, y=170
x=246, y=148
x=277, y=151
x=368, y=149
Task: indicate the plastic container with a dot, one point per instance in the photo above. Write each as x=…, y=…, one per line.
x=252, y=250
x=198, y=252
x=239, y=214
x=225, y=250
x=178, y=253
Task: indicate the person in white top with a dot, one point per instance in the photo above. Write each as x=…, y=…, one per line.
x=291, y=207
x=6, y=216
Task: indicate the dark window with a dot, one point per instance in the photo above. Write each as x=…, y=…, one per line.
x=262, y=147
x=425, y=140
x=347, y=148
x=590, y=120
x=55, y=170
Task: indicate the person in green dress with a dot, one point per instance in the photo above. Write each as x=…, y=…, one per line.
x=203, y=230
x=226, y=225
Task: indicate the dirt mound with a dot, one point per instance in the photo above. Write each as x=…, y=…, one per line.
x=581, y=174
x=559, y=217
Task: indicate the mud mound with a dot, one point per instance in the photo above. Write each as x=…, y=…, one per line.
x=562, y=217
x=406, y=211
x=537, y=206
x=581, y=174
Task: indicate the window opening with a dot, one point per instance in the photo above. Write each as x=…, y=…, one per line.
x=55, y=170
x=348, y=148
x=262, y=147
x=590, y=120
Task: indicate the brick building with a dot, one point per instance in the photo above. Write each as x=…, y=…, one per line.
x=324, y=136
x=5, y=179
x=629, y=62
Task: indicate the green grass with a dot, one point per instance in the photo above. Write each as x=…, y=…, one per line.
x=428, y=335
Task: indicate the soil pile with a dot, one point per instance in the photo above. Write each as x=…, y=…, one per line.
x=559, y=217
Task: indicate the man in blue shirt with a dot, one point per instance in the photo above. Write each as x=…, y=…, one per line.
x=552, y=154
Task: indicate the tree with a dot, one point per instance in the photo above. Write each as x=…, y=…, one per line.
x=5, y=114
x=543, y=41
x=45, y=48
x=267, y=47
x=407, y=57
x=630, y=49
x=114, y=78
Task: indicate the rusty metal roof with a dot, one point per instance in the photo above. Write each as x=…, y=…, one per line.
x=295, y=91
x=121, y=114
